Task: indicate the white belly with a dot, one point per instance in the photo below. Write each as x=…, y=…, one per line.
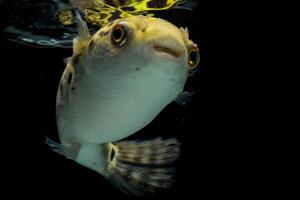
x=113, y=104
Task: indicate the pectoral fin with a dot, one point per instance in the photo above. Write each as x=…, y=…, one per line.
x=185, y=98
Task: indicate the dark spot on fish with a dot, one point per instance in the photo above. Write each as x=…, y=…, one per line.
x=76, y=60
x=128, y=9
x=95, y=164
x=107, y=1
x=137, y=69
x=73, y=87
x=157, y=4
x=70, y=76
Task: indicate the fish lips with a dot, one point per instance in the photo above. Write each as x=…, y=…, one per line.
x=168, y=48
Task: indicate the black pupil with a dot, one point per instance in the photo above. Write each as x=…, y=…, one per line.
x=117, y=34
x=193, y=56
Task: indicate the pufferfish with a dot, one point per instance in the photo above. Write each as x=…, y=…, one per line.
x=116, y=82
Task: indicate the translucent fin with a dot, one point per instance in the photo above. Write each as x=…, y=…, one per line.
x=185, y=98
x=81, y=41
x=56, y=147
x=69, y=150
x=193, y=72
x=143, y=167
x=187, y=4
x=83, y=30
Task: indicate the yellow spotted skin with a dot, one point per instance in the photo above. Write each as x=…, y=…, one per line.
x=102, y=12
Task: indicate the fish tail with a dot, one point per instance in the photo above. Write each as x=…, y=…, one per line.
x=142, y=167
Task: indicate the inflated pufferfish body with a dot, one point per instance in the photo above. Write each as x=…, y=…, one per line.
x=117, y=82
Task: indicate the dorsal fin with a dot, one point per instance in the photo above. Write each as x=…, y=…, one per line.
x=83, y=38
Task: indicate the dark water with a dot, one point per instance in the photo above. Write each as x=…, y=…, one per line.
x=219, y=133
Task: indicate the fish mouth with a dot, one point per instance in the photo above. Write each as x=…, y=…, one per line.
x=169, y=47
x=166, y=50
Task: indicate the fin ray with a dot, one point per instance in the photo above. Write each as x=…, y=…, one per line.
x=56, y=147
x=81, y=41
x=143, y=167
x=187, y=4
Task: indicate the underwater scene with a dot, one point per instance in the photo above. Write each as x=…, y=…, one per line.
x=118, y=98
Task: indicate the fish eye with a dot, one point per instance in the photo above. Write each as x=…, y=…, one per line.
x=194, y=57
x=119, y=35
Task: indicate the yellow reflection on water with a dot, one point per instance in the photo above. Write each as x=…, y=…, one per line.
x=101, y=12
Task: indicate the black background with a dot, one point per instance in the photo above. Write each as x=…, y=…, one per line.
x=224, y=134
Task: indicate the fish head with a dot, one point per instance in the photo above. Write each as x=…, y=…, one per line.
x=142, y=42
x=125, y=75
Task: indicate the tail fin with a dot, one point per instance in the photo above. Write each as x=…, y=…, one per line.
x=142, y=167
